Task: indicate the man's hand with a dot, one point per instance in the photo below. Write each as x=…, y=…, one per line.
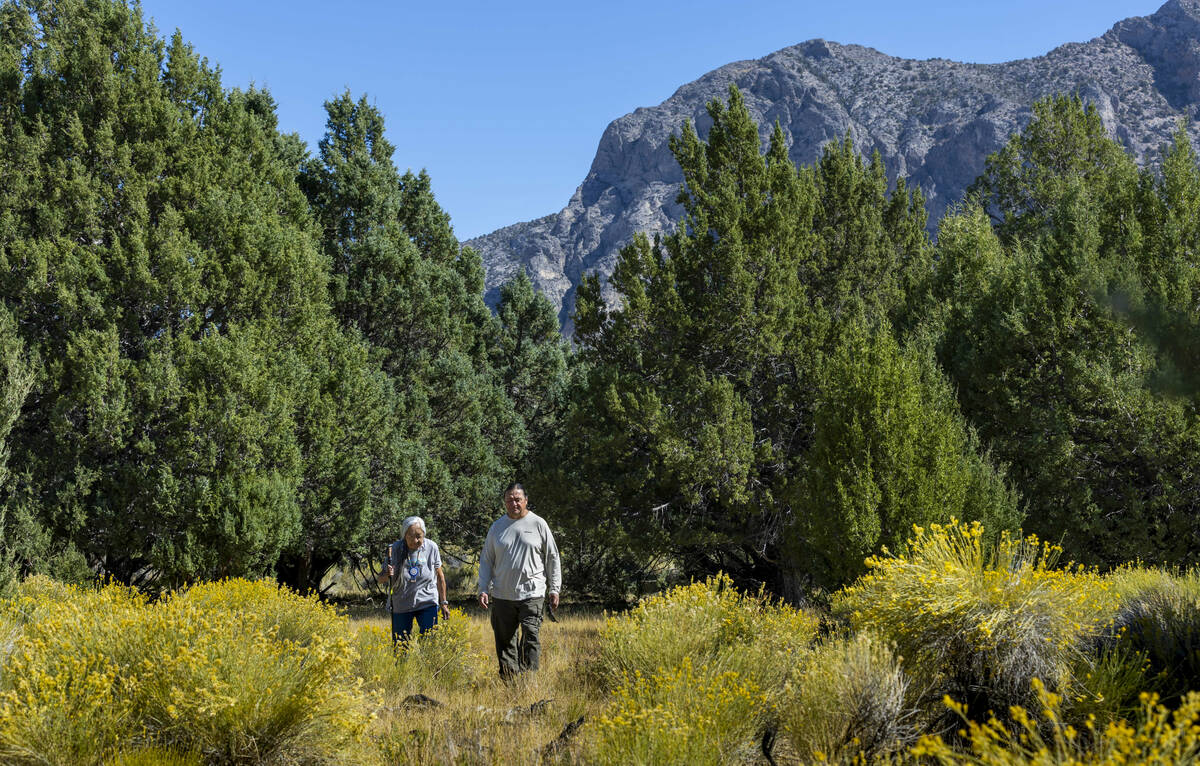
x=483, y=600
x=445, y=611
x=554, y=601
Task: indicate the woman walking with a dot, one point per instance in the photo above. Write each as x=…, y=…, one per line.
x=416, y=585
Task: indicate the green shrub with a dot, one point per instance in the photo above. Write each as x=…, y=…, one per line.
x=687, y=716
x=463, y=579
x=1108, y=684
x=980, y=623
x=848, y=701
x=1159, y=619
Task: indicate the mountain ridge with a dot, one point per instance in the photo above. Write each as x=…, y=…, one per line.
x=933, y=121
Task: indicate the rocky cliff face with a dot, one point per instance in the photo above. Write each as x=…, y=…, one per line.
x=932, y=121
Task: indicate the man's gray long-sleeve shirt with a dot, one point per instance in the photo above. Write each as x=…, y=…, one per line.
x=519, y=559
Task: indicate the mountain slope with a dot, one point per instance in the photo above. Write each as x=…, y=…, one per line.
x=933, y=121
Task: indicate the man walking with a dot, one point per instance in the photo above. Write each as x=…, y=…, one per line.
x=519, y=568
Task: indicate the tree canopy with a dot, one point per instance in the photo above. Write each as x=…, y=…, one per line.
x=223, y=355
x=722, y=377
x=1068, y=323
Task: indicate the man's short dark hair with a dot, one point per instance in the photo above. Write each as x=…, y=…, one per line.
x=515, y=485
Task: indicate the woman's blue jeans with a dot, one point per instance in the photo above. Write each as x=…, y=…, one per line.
x=426, y=618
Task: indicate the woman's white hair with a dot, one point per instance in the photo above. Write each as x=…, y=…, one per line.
x=408, y=522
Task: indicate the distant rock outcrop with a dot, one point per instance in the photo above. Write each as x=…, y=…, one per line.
x=932, y=121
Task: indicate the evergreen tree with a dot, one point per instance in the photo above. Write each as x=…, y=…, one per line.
x=873, y=257
x=695, y=425
x=1169, y=214
x=531, y=358
x=1045, y=338
x=356, y=462
x=890, y=451
x=1064, y=154
x=158, y=258
x=401, y=280
x=19, y=372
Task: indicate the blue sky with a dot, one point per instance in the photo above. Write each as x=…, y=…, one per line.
x=504, y=102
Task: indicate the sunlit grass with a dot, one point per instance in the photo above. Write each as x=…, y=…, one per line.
x=492, y=721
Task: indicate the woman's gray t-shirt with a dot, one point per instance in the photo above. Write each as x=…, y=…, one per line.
x=414, y=586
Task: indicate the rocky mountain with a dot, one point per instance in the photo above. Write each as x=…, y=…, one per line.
x=932, y=121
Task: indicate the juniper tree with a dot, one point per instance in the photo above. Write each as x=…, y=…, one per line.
x=890, y=451
x=402, y=282
x=531, y=359
x=696, y=422
x=159, y=259
x=1046, y=336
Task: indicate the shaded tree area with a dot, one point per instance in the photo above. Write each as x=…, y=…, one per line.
x=798, y=375
x=400, y=282
x=156, y=253
x=1071, y=334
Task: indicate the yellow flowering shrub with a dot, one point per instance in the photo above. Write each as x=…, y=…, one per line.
x=980, y=622
x=61, y=686
x=1160, y=735
x=848, y=702
x=770, y=652
x=706, y=621
x=36, y=596
x=444, y=658
x=289, y=615
x=207, y=673
x=685, y=715
x=219, y=680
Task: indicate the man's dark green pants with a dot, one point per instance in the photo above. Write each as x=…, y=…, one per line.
x=517, y=655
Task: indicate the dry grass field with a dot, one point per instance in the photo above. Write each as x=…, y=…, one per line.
x=491, y=721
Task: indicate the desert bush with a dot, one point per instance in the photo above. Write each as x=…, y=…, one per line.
x=206, y=673
x=1159, y=619
x=269, y=606
x=1158, y=735
x=771, y=650
x=708, y=621
x=685, y=715
x=220, y=681
x=848, y=702
x=463, y=579
x=39, y=597
x=980, y=622
x=444, y=658
x=60, y=684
